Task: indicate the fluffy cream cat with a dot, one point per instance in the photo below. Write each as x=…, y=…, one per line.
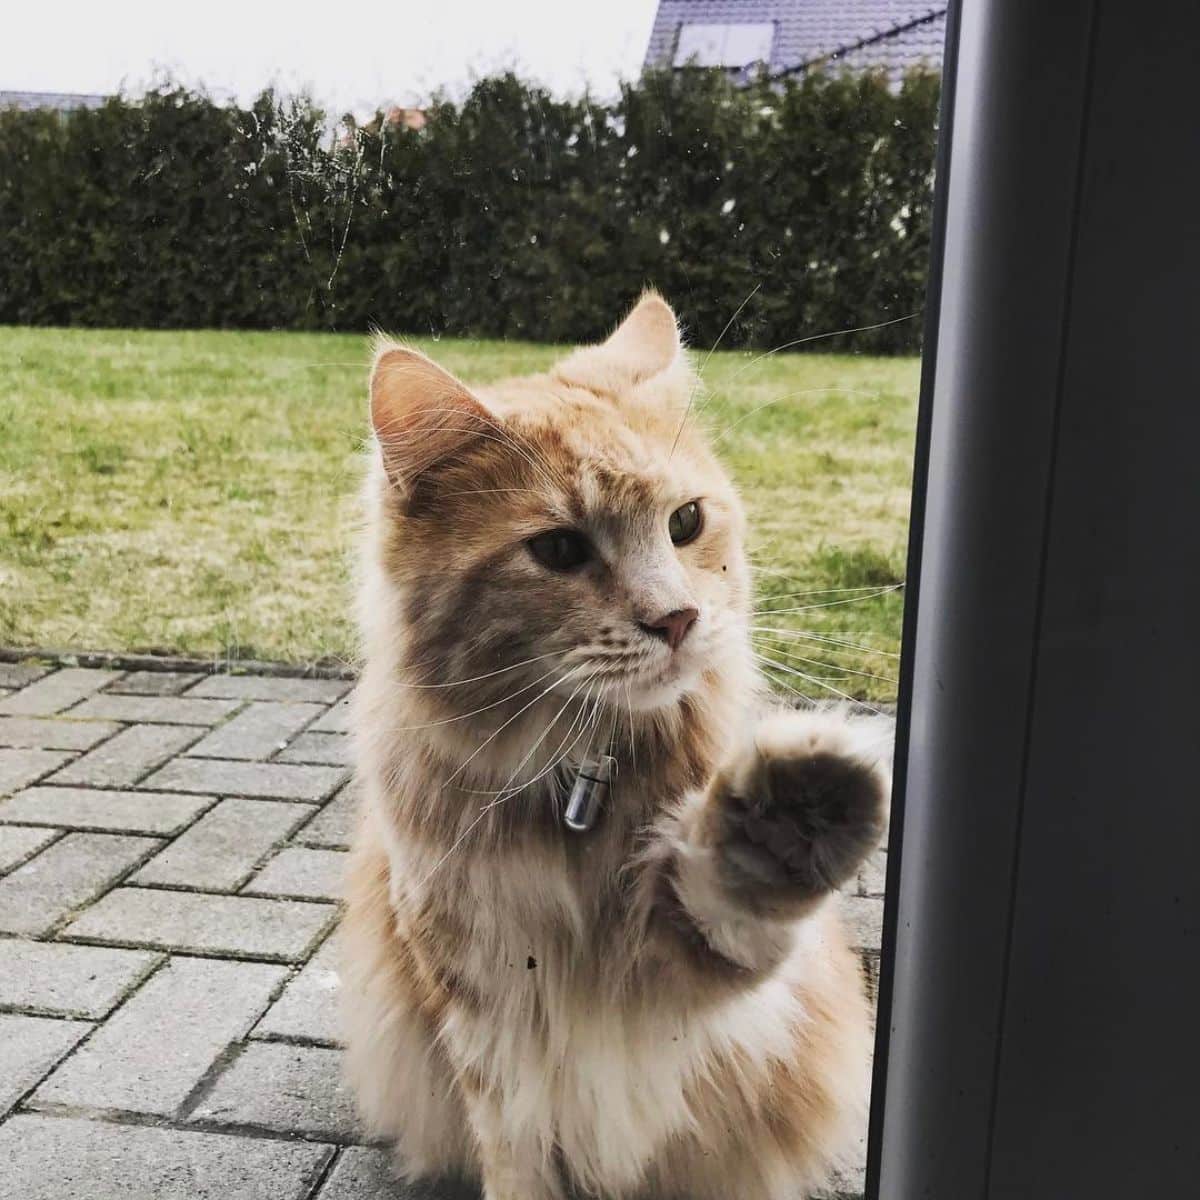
x=660, y=1006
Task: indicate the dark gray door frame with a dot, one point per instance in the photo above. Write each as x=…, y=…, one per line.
x=1038, y=1009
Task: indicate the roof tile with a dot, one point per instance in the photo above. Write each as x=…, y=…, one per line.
x=899, y=34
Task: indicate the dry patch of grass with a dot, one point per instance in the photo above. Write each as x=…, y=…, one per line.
x=195, y=492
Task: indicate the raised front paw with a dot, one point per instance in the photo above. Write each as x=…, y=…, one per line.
x=796, y=813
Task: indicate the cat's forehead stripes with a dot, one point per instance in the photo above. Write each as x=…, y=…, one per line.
x=590, y=461
x=608, y=489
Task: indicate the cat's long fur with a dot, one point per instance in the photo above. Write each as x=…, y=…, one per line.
x=661, y=1007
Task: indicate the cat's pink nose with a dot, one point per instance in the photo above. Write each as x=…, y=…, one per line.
x=673, y=627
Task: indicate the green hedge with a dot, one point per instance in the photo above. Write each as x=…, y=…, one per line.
x=512, y=213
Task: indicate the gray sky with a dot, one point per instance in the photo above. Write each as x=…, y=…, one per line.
x=350, y=55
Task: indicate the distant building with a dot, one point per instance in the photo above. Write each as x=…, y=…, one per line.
x=391, y=117
x=62, y=102
x=409, y=118
x=789, y=37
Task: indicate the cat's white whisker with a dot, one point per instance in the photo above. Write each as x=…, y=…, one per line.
x=458, y=841
x=791, y=396
x=590, y=705
x=884, y=591
x=794, y=691
x=483, y=708
x=845, y=632
x=490, y=492
x=814, y=679
x=588, y=725
x=487, y=674
x=816, y=662
x=525, y=708
x=803, y=341
x=862, y=587
x=819, y=337
x=737, y=312
x=612, y=733
x=790, y=572
x=632, y=730
x=508, y=791
x=595, y=721
x=809, y=636
x=700, y=373
x=583, y=707
x=483, y=812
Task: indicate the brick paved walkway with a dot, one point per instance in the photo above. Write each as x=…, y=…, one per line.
x=171, y=845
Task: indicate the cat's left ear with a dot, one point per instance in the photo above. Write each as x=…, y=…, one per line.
x=644, y=345
x=421, y=413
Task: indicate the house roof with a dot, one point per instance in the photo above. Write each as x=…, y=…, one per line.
x=58, y=101
x=919, y=44
x=894, y=35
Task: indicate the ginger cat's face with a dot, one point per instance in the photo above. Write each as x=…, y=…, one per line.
x=565, y=534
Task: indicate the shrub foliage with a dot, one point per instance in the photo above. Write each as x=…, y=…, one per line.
x=511, y=213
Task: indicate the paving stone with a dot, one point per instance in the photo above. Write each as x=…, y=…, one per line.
x=29, y=1047
x=166, y=710
x=19, y=842
x=281, y=930
x=863, y=918
x=334, y=825
x=291, y=1089
x=331, y=748
x=61, y=1158
x=872, y=878
x=194, y=1007
x=848, y=1184
x=124, y=759
x=257, y=732
x=53, y=733
x=20, y=767
x=68, y=981
x=221, y=849
x=308, y=1007
x=17, y=675
x=268, y=687
x=298, y=871
x=870, y=962
x=94, y=808
x=364, y=1173
x=153, y=683
x=55, y=692
x=277, y=781
x=336, y=720
x=75, y=869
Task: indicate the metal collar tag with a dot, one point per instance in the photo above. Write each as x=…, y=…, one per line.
x=589, y=791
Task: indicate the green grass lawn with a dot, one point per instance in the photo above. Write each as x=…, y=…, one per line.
x=195, y=493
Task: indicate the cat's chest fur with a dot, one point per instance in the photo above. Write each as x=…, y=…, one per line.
x=563, y=1032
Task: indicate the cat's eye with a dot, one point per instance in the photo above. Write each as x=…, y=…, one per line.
x=560, y=549
x=685, y=523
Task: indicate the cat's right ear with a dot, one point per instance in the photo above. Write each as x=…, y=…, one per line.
x=420, y=413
